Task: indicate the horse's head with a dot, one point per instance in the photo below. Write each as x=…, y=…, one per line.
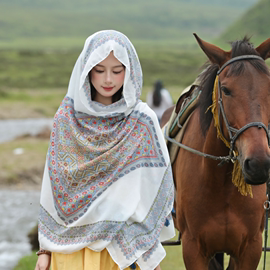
x=241, y=97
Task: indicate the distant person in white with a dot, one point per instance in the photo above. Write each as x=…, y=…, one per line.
x=159, y=99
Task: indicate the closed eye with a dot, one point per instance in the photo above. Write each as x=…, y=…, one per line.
x=226, y=91
x=117, y=72
x=99, y=71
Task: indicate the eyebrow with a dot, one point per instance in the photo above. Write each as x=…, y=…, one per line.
x=113, y=66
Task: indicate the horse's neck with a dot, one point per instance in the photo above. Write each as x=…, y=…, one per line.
x=208, y=143
x=213, y=143
x=216, y=147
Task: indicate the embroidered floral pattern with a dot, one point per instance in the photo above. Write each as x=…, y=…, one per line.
x=88, y=154
x=103, y=37
x=129, y=237
x=148, y=254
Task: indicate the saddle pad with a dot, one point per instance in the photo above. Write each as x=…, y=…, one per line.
x=178, y=121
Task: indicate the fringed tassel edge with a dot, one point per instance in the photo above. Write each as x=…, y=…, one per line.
x=239, y=181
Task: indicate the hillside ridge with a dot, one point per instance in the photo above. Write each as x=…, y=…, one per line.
x=66, y=23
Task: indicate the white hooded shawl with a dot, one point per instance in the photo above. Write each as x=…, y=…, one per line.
x=107, y=180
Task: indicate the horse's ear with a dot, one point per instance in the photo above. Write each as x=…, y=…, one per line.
x=264, y=49
x=214, y=53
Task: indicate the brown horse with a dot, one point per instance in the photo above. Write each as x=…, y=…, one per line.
x=213, y=214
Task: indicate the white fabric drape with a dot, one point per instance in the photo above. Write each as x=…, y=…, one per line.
x=107, y=180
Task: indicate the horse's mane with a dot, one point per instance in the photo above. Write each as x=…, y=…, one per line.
x=207, y=77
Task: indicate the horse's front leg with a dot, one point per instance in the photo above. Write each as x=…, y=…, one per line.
x=249, y=258
x=192, y=256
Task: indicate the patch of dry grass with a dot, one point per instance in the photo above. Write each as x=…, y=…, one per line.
x=23, y=170
x=30, y=103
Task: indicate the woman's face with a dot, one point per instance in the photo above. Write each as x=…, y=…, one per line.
x=107, y=77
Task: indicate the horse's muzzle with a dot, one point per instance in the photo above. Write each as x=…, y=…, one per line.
x=256, y=172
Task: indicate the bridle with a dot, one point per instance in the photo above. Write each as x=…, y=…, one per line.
x=233, y=132
x=238, y=132
x=221, y=111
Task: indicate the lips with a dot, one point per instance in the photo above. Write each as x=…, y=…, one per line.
x=107, y=88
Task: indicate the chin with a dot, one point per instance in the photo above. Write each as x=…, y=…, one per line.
x=255, y=182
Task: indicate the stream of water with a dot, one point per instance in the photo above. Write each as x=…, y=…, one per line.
x=12, y=128
x=19, y=213
x=18, y=208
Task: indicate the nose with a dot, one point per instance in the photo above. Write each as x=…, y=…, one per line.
x=256, y=171
x=108, y=78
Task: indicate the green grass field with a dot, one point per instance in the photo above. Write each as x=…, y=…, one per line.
x=34, y=82
x=52, y=69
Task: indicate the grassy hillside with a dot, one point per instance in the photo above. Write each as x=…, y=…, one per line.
x=255, y=22
x=41, y=40
x=66, y=23
x=51, y=69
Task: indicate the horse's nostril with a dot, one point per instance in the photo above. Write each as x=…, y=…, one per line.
x=247, y=165
x=254, y=167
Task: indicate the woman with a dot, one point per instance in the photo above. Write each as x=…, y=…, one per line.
x=107, y=190
x=159, y=100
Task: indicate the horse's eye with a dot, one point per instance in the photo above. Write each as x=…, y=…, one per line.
x=226, y=91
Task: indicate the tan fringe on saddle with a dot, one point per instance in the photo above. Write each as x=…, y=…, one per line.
x=237, y=175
